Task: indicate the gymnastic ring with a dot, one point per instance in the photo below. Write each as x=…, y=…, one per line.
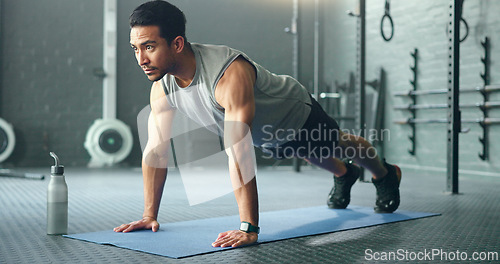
x=466, y=29
x=382, y=27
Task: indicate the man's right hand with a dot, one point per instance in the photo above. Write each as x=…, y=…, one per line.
x=144, y=223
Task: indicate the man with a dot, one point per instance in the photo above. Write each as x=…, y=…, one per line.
x=211, y=84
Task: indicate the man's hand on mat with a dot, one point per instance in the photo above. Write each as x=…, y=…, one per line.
x=144, y=223
x=235, y=238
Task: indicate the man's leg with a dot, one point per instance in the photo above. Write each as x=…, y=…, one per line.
x=333, y=165
x=362, y=152
x=355, y=148
x=345, y=175
x=386, y=177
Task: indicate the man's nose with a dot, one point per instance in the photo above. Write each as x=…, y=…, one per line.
x=142, y=59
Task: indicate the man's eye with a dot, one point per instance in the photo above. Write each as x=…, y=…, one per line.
x=149, y=47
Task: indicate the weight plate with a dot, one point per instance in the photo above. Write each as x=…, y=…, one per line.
x=110, y=141
x=4, y=140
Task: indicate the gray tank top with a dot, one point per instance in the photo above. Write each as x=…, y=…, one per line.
x=282, y=104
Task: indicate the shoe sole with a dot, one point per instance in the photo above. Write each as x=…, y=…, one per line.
x=399, y=174
x=333, y=206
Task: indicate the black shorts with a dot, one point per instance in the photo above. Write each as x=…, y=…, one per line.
x=317, y=138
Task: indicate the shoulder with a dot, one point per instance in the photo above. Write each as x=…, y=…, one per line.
x=158, y=100
x=215, y=51
x=239, y=68
x=238, y=76
x=235, y=87
x=157, y=91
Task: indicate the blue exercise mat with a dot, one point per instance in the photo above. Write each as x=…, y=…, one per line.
x=184, y=239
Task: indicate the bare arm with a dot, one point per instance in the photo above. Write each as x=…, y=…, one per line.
x=155, y=161
x=235, y=93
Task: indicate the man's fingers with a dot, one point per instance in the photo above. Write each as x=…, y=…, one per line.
x=120, y=228
x=219, y=242
x=226, y=242
x=141, y=224
x=155, y=227
x=231, y=242
x=235, y=238
x=229, y=239
x=237, y=244
x=221, y=235
x=129, y=228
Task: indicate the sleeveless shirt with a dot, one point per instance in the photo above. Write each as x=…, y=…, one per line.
x=282, y=104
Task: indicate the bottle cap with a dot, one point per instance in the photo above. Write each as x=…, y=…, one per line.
x=57, y=168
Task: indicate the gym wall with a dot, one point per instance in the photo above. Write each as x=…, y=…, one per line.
x=49, y=93
x=422, y=25
x=50, y=49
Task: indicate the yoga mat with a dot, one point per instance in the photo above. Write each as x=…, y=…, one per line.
x=190, y=238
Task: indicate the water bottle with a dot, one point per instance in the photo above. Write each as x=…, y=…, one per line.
x=57, y=200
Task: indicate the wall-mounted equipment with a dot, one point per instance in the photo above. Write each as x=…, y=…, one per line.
x=7, y=140
x=109, y=140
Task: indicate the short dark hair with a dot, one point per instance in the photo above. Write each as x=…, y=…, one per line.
x=169, y=18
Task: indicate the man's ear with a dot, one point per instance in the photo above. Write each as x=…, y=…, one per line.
x=178, y=43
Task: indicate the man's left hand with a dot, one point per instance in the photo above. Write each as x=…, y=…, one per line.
x=235, y=238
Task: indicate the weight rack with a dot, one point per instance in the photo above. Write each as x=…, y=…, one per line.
x=486, y=80
x=413, y=112
x=485, y=121
x=453, y=90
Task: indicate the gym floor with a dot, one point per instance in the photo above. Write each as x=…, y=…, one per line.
x=101, y=199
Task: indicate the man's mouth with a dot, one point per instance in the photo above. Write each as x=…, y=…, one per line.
x=148, y=70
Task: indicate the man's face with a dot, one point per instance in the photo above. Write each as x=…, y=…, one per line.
x=153, y=54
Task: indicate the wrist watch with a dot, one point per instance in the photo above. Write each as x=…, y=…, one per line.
x=247, y=227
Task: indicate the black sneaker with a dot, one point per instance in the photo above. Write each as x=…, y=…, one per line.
x=388, y=190
x=340, y=195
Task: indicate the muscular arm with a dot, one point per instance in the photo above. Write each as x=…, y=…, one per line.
x=154, y=162
x=235, y=93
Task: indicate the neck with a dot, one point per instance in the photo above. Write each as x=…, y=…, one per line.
x=186, y=67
